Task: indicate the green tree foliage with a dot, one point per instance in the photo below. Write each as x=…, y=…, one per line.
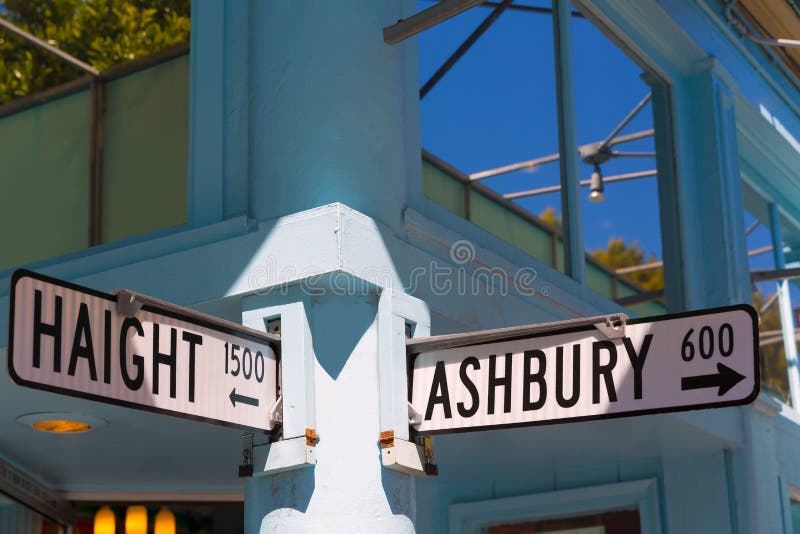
x=619, y=254
x=102, y=33
x=549, y=216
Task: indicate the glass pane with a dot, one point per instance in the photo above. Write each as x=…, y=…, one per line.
x=774, y=378
x=619, y=194
x=20, y=519
x=495, y=107
x=616, y=522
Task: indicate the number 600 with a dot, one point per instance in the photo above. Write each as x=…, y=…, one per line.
x=705, y=342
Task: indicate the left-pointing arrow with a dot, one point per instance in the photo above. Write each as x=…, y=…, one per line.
x=242, y=399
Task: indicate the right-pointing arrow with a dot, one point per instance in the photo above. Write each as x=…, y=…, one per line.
x=725, y=379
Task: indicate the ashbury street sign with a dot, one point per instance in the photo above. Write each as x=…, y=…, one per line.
x=687, y=361
x=158, y=357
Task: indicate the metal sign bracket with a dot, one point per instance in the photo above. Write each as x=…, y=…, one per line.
x=127, y=303
x=613, y=326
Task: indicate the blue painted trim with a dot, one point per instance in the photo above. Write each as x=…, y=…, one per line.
x=236, y=105
x=206, y=121
x=574, y=251
x=672, y=240
x=730, y=482
x=475, y=517
x=782, y=493
x=132, y=250
x=777, y=237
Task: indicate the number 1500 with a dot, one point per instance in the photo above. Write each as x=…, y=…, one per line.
x=246, y=364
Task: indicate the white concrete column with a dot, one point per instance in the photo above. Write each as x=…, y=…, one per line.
x=347, y=490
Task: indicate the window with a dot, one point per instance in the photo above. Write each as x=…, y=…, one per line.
x=622, y=508
x=491, y=145
x=616, y=522
x=92, y=158
x=20, y=519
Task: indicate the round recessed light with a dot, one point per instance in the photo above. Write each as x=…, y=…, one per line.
x=61, y=426
x=61, y=422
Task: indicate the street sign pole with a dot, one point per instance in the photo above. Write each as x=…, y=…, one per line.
x=136, y=351
x=584, y=369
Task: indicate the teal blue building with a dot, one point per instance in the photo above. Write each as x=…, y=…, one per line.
x=272, y=173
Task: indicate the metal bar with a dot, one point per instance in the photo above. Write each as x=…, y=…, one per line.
x=96, y=159
x=140, y=63
x=32, y=39
x=531, y=9
x=84, y=82
x=514, y=167
x=448, y=341
x=468, y=201
x=607, y=141
x=765, y=275
x=505, y=169
x=627, y=138
x=405, y=28
x=749, y=229
x=785, y=307
x=534, y=192
x=768, y=304
x=747, y=34
x=45, y=95
x=640, y=298
x=137, y=300
x=574, y=260
x=641, y=267
x=583, y=183
x=463, y=48
x=759, y=251
x=617, y=154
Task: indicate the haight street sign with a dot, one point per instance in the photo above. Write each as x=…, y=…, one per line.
x=688, y=361
x=73, y=340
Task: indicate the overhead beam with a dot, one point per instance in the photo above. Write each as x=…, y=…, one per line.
x=531, y=163
x=583, y=183
x=640, y=267
x=628, y=118
x=767, y=275
x=427, y=18
x=465, y=46
x=759, y=251
x=533, y=9
x=35, y=41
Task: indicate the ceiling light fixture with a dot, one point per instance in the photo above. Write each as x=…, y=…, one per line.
x=165, y=522
x=596, y=186
x=136, y=520
x=105, y=522
x=61, y=422
x=61, y=426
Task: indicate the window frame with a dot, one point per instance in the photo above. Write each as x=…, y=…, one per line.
x=642, y=495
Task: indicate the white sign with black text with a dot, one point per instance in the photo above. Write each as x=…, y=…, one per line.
x=704, y=359
x=72, y=340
